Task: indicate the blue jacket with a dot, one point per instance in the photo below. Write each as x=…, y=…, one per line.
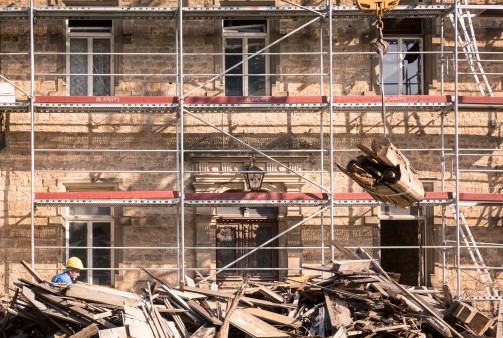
x=63, y=278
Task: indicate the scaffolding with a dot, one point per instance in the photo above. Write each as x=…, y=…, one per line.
x=184, y=104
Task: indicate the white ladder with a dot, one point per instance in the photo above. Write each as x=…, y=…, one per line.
x=468, y=42
x=473, y=250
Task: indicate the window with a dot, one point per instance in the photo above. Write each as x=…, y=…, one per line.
x=242, y=38
x=403, y=67
x=89, y=230
x=89, y=47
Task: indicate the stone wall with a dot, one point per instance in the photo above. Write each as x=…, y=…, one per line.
x=353, y=73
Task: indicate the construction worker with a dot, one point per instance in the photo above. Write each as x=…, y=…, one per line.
x=70, y=273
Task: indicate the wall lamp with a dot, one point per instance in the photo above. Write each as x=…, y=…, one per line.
x=254, y=176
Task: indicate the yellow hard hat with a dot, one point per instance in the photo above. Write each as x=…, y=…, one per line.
x=74, y=263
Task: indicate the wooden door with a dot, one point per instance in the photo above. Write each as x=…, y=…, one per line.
x=238, y=237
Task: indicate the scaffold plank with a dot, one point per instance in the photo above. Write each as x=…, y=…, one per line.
x=107, y=198
x=255, y=198
x=167, y=104
x=169, y=13
x=152, y=198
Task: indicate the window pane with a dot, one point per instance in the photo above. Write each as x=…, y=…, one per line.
x=264, y=257
x=77, y=237
x=233, y=84
x=78, y=65
x=101, y=65
x=90, y=211
x=411, y=76
x=226, y=237
x=102, y=258
x=391, y=68
x=256, y=65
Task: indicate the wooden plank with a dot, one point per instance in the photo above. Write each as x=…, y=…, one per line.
x=172, y=327
x=176, y=297
x=211, y=293
x=79, y=310
x=231, y=307
x=273, y=317
x=87, y=332
x=271, y=295
x=153, y=325
x=261, y=302
x=202, y=311
x=30, y=295
x=159, y=279
x=254, y=327
x=499, y=323
x=349, y=254
x=337, y=311
x=117, y=332
x=102, y=315
x=187, y=295
x=139, y=330
x=351, y=265
x=204, y=332
x=90, y=315
x=341, y=333
x=178, y=320
x=32, y=272
x=103, y=295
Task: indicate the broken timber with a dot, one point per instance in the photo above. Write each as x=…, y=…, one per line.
x=358, y=299
x=386, y=174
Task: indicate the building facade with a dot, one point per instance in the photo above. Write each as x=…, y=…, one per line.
x=128, y=127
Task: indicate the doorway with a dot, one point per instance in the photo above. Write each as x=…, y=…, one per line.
x=402, y=261
x=237, y=237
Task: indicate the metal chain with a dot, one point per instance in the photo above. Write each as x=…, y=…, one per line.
x=381, y=46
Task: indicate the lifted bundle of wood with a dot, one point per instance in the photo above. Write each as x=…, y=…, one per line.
x=385, y=174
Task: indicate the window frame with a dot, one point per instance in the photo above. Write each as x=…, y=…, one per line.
x=89, y=33
x=400, y=65
x=229, y=33
x=90, y=220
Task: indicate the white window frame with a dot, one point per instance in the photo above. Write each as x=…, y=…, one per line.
x=233, y=33
x=89, y=33
x=89, y=220
x=401, y=57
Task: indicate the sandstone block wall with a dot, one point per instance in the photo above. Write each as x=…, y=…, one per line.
x=147, y=74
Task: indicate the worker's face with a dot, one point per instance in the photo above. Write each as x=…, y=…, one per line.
x=74, y=273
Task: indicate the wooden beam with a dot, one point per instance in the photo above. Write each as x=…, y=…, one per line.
x=273, y=317
x=231, y=307
x=255, y=327
x=499, y=321
x=210, y=292
x=271, y=295
x=87, y=332
x=261, y=302
x=103, y=295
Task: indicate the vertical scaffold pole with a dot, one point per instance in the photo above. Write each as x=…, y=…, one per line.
x=331, y=110
x=32, y=133
x=456, y=151
x=322, y=148
x=178, y=180
x=181, y=254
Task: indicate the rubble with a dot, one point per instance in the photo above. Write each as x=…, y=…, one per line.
x=339, y=302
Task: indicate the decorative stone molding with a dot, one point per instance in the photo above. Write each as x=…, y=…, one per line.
x=218, y=177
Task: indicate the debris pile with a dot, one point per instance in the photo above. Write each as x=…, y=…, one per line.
x=385, y=174
x=349, y=298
